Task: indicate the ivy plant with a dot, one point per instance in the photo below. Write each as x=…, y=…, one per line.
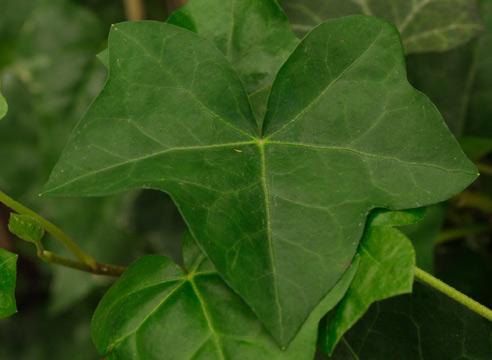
x=295, y=164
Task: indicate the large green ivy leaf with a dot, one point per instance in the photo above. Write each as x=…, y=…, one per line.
x=8, y=273
x=423, y=325
x=280, y=213
x=255, y=36
x=425, y=25
x=157, y=308
x=386, y=269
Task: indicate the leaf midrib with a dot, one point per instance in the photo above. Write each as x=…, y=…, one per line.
x=271, y=248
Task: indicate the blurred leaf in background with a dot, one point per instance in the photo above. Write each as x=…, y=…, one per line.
x=56, y=40
x=49, y=76
x=421, y=325
x=425, y=25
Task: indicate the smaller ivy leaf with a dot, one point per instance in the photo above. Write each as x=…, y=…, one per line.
x=422, y=325
x=27, y=228
x=255, y=36
x=156, y=308
x=3, y=106
x=386, y=269
x=425, y=25
x=8, y=273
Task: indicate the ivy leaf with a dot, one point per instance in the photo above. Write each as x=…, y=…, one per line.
x=25, y=227
x=3, y=106
x=421, y=325
x=386, y=269
x=157, y=308
x=8, y=271
x=255, y=36
x=425, y=25
x=264, y=206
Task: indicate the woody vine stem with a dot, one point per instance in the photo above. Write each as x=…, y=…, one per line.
x=87, y=263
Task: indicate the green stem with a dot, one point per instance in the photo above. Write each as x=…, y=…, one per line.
x=86, y=262
x=454, y=294
x=50, y=228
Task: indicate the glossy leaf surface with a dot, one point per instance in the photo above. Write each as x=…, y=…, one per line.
x=425, y=25
x=423, y=325
x=8, y=273
x=158, y=311
x=386, y=269
x=280, y=213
